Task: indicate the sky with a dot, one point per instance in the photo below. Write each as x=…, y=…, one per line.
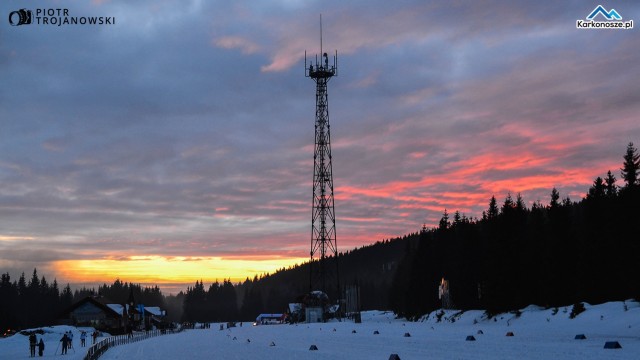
x=175, y=142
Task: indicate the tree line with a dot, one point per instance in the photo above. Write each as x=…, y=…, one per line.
x=218, y=303
x=556, y=254
x=33, y=303
x=36, y=302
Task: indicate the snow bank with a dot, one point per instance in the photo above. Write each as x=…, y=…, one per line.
x=538, y=334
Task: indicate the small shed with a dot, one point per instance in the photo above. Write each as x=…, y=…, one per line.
x=314, y=314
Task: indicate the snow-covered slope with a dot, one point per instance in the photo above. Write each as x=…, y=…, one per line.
x=538, y=334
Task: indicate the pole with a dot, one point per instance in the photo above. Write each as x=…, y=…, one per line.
x=321, y=35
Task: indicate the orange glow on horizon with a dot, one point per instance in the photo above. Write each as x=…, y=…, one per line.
x=9, y=238
x=160, y=269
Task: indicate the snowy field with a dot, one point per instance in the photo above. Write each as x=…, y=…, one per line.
x=538, y=334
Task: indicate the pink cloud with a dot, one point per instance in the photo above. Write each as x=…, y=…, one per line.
x=237, y=42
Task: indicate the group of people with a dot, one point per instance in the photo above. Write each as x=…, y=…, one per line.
x=33, y=342
x=66, y=342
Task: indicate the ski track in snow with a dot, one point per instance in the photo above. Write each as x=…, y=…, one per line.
x=538, y=335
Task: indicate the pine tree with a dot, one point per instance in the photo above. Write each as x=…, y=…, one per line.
x=66, y=298
x=631, y=166
x=54, y=289
x=520, y=206
x=492, y=213
x=508, y=204
x=555, y=196
x=22, y=285
x=444, y=221
x=597, y=190
x=456, y=218
x=34, y=283
x=610, y=185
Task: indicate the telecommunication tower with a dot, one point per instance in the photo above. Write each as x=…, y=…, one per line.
x=323, y=221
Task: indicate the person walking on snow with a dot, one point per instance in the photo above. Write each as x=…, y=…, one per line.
x=65, y=343
x=40, y=347
x=32, y=344
x=83, y=338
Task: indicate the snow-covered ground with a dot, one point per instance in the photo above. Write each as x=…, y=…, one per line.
x=538, y=334
x=17, y=346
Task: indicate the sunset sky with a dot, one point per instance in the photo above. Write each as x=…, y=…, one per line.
x=177, y=144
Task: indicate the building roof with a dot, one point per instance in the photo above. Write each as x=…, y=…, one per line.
x=269, y=316
x=117, y=308
x=113, y=310
x=108, y=310
x=154, y=310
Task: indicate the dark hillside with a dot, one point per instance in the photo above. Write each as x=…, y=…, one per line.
x=372, y=267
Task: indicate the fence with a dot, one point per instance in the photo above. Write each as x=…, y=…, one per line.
x=96, y=350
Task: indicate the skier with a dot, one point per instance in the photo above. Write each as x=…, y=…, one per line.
x=70, y=336
x=32, y=344
x=40, y=347
x=95, y=336
x=83, y=338
x=65, y=343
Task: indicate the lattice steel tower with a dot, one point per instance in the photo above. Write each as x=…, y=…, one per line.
x=324, y=251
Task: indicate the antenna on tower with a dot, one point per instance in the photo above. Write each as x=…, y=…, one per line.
x=321, y=69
